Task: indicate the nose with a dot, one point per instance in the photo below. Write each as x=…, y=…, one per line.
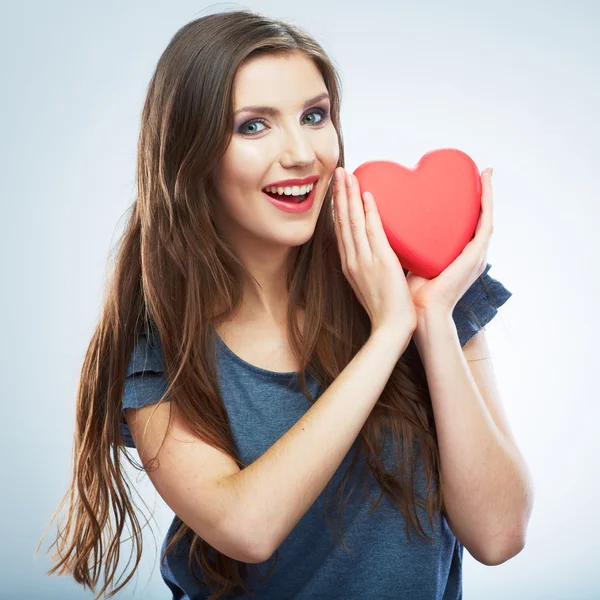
x=297, y=148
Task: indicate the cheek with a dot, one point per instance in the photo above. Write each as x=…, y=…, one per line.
x=241, y=169
x=329, y=149
x=248, y=160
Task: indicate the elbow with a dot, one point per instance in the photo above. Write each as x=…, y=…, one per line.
x=257, y=545
x=498, y=553
x=255, y=558
x=236, y=537
x=261, y=557
x=242, y=548
x=506, y=545
x=256, y=552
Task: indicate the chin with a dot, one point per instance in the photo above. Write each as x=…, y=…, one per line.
x=297, y=238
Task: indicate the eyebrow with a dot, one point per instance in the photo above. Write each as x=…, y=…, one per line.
x=270, y=110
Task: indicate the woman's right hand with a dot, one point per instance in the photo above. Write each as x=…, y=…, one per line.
x=368, y=261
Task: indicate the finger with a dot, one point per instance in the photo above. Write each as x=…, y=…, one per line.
x=485, y=224
x=356, y=219
x=476, y=249
x=341, y=208
x=374, y=228
x=336, y=185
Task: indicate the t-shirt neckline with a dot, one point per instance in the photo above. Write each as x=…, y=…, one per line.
x=249, y=366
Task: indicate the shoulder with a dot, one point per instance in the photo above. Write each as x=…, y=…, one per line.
x=147, y=352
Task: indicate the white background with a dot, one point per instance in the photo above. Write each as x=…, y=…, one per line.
x=516, y=85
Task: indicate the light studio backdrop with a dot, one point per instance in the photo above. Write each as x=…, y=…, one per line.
x=515, y=84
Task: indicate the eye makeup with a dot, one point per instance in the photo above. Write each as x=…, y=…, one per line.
x=322, y=111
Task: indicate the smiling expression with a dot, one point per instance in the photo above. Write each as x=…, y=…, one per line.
x=282, y=131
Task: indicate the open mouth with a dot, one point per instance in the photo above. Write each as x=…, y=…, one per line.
x=290, y=194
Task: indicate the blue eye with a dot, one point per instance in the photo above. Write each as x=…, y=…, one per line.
x=323, y=114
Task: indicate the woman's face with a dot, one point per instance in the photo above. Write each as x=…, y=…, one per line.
x=296, y=140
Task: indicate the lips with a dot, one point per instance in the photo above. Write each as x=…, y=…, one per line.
x=283, y=197
x=293, y=182
x=294, y=206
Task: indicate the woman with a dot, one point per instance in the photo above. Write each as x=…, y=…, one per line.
x=260, y=353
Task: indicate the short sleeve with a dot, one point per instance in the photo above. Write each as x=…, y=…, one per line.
x=145, y=379
x=478, y=306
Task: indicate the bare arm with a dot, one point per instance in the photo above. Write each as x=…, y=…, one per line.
x=246, y=514
x=277, y=489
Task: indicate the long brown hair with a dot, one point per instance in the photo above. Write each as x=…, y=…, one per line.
x=174, y=271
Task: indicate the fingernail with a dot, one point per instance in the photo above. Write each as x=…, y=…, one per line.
x=338, y=174
x=348, y=179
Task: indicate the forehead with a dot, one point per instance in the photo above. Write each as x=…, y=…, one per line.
x=283, y=81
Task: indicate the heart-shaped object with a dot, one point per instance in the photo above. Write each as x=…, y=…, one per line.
x=429, y=213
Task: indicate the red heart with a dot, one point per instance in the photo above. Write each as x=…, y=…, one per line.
x=429, y=213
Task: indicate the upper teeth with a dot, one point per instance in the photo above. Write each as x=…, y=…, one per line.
x=291, y=191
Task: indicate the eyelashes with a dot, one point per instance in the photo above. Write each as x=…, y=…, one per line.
x=322, y=112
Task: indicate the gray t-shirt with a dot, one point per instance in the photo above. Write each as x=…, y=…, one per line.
x=380, y=562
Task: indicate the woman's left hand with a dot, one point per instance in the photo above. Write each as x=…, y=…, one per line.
x=442, y=293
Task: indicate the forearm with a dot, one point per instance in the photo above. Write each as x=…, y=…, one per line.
x=278, y=488
x=483, y=476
